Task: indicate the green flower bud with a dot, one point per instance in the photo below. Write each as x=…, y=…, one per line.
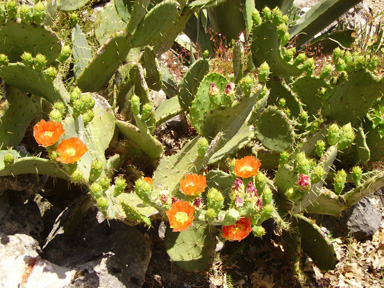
x=25, y=14
x=3, y=12
x=333, y=134
x=323, y=92
x=147, y=111
x=135, y=104
x=246, y=84
x=373, y=62
x=283, y=159
x=50, y=73
x=53, y=155
x=260, y=181
x=318, y=174
x=104, y=182
x=308, y=65
x=231, y=216
x=267, y=196
x=356, y=175
x=8, y=159
x=266, y=213
x=88, y=100
x=215, y=199
x=277, y=17
x=202, y=146
x=291, y=193
x=302, y=164
x=77, y=176
x=60, y=106
x=320, y=148
x=211, y=213
x=56, y=115
x=27, y=59
x=289, y=53
x=102, y=203
x=303, y=118
x=256, y=18
x=66, y=51
x=282, y=102
x=4, y=60
x=267, y=14
x=258, y=231
x=96, y=170
x=299, y=59
x=327, y=70
x=120, y=185
x=337, y=54
x=339, y=182
x=39, y=13
x=284, y=39
x=96, y=190
x=73, y=19
x=74, y=96
x=143, y=190
x=40, y=62
x=281, y=30
x=340, y=65
x=263, y=72
x=11, y=9
x=347, y=135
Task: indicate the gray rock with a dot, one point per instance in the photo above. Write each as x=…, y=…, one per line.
x=363, y=219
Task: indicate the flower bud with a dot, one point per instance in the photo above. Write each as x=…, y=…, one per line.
x=246, y=84
x=120, y=185
x=50, y=73
x=202, y=146
x=135, y=104
x=8, y=159
x=308, y=65
x=56, y=115
x=356, y=175
x=263, y=72
x=66, y=51
x=304, y=182
x=231, y=216
x=215, y=199
x=337, y=54
x=256, y=18
x=333, y=134
x=96, y=190
x=277, y=16
x=73, y=19
x=267, y=14
x=283, y=159
x=3, y=12
x=267, y=196
x=326, y=71
x=290, y=193
x=59, y=105
x=318, y=174
x=102, y=203
x=96, y=169
x=27, y=59
x=147, y=111
x=11, y=9
x=87, y=100
x=347, y=136
x=39, y=13
x=39, y=62
x=258, y=231
x=260, y=181
x=281, y=30
x=25, y=14
x=88, y=116
x=143, y=190
x=211, y=213
x=104, y=182
x=75, y=94
x=320, y=148
x=340, y=65
x=4, y=60
x=339, y=181
x=299, y=59
x=266, y=213
x=77, y=176
x=53, y=155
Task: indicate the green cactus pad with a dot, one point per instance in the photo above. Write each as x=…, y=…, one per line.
x=191, y=82
x=30, y=165
x=315, y=245
x=266, y=48
x=124, y=8
x=305, y=88
x=192, y=249
x=82, y=53
x=107, y=23
x=279, y=90
x=146, y=142
x=137, y=203
x=71, y=5
x=220, y=180
x=139, y=11
x=16, y=38
x=361, y=149
x=166, y=110
x=152, y=70
x=105, y=63
x=17, y=117
x=274, y=130
x=32, y=81
x=351, y=100
x=206, y=3
x=374, y=143
x=152, y=27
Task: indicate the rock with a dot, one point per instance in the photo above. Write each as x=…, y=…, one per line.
x=363, y=219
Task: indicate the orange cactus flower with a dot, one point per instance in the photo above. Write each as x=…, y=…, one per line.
x=71, y=150
x=237, y=231
x=148, y=180
x=247, y=167
x=180, y=215
x=193, y=184
x=47, y=133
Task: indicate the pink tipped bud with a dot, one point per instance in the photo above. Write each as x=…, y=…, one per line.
x=304, y=181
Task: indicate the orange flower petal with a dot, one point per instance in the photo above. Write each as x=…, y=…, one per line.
x=193, y=184
x=71, y=150
x=148, y=180
x=247, y=167
x=180, y=215
x=47, y=133
x=237, y=231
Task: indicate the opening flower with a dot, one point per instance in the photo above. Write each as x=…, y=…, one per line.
x=237, y=231
x=193, y=184
x=304, y=181
x=47, y=133
x=247, y=167
x=180, y=215
x=148, y=180
x=71, y=150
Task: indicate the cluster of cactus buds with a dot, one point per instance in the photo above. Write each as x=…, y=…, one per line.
x=82, y=104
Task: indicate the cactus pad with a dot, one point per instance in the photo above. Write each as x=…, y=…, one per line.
x=81, y=51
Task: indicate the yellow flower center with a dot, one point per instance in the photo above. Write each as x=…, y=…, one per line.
x=48, y=134
x=71, y=151
x=246, y=168
x=181, y=217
